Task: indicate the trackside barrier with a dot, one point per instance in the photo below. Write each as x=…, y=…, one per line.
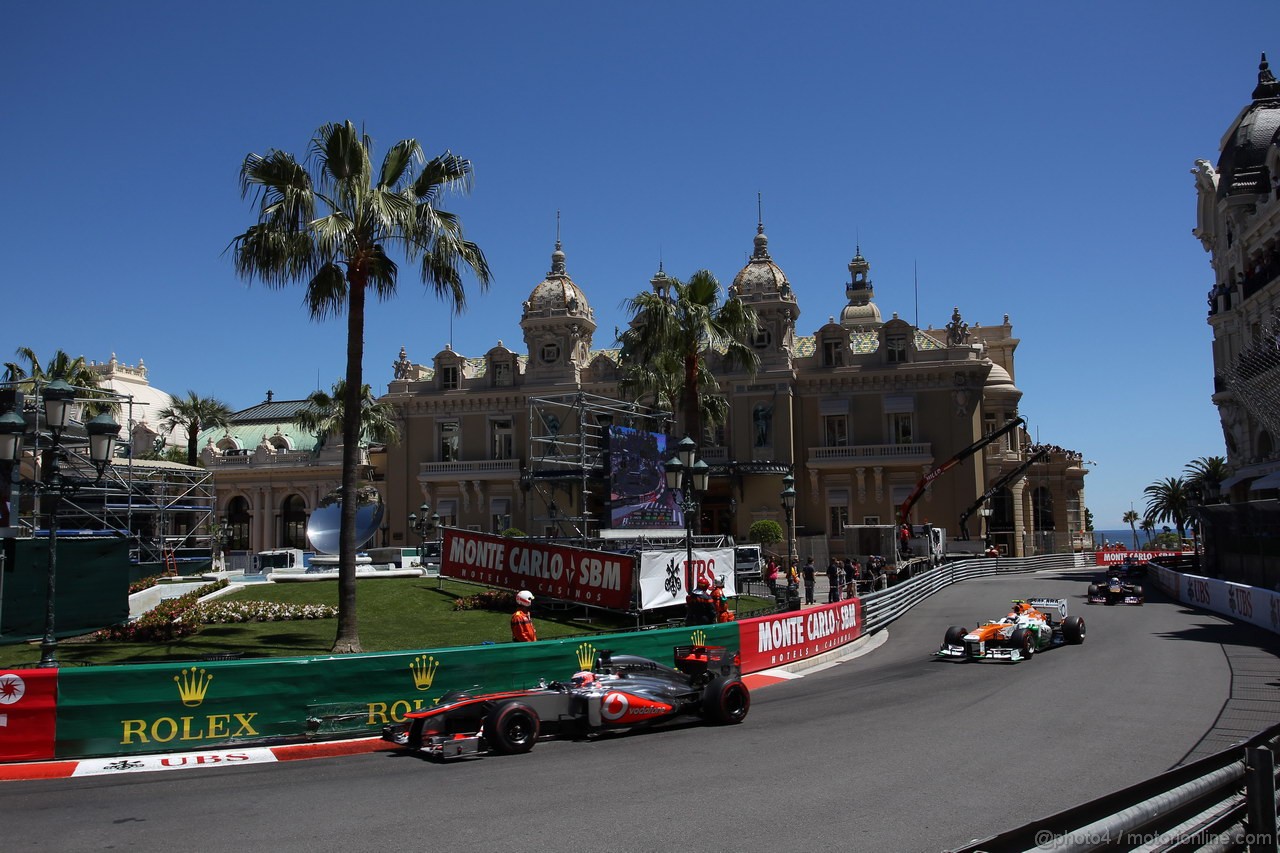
x=1226, y=801
x=150, y=708
x=882, y=607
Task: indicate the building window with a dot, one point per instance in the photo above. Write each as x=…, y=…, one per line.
x=448, y=514
x=871, y=519
x=896, y=349
x=449, y=377
x=762, y=338
x=835, y=430
x=550, y=353
x=450, y=442
x=837, y=511
x=501, y=442
x=293, y=515
x=900, y=428
x=500, y=514
x=832, y=353
x=502, y=374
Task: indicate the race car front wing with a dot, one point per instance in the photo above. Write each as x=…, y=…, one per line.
x=979, y=650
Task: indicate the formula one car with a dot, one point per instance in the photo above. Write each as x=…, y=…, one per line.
x=618, y=692
x=1115, y=589
x=1031, y=626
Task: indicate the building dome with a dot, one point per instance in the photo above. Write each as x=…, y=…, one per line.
x=999, y=379
x=761, y=277
x=866, y=315
x=1242, y=167
x=557, y=294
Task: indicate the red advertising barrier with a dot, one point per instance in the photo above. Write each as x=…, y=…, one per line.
x=1117, y=556
x=556, y=571
x=770, y=641
x=28, y=714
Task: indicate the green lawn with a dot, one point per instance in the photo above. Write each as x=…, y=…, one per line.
x=394, y=614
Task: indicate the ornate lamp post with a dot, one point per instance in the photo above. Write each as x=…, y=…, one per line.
x=424, y=525
x=788, y=498
x=57, y=398
x=688, y=474
x=985, y=512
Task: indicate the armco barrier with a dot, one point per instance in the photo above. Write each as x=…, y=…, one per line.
x=882, y=607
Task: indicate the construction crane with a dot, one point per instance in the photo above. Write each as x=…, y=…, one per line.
x=904, y=514
x=999, y=484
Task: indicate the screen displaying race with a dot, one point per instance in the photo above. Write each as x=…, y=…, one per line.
x=638, y=490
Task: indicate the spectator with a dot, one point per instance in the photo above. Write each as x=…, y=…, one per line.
x=810, y=577
x=771, y=576
x=522, y=630
x=904, y=540
x=852, y=575
x=834, y=571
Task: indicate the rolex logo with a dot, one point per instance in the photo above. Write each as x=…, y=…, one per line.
x=586, y=656
x=699, y=638
x=424, y=671
x=192, y=685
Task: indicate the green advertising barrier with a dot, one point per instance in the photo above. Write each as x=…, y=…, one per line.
x=92, y=588
x=149, y=708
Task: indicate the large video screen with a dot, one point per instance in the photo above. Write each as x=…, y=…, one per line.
x=638, y=492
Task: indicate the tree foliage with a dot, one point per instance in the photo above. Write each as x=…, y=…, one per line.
x=331, y=224
x=193, y=414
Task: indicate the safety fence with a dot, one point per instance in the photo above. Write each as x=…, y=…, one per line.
x=882, y=607
x=1225, y=801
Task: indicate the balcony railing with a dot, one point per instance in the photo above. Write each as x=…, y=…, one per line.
x=281, y=458
x=491, y=469
x=871, y=454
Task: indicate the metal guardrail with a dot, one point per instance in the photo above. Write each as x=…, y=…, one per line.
x=884, y=606
x=1226, y=801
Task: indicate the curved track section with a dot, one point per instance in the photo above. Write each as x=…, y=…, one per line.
x=893, y=750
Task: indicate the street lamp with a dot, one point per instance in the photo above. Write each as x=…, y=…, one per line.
x=788, y=498
x=985, y=512
x=424, y=526
x=102, y=431
x=689, y=475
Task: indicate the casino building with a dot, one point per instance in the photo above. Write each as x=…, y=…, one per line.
x=858, y=410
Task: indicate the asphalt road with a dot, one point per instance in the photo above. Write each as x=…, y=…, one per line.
x=894, y=750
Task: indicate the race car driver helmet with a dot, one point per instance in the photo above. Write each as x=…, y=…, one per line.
x=584, y=678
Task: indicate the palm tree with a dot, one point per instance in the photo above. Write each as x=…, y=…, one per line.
x=341, y=255
x=1149, y=527
x=325, y=413
x=1207, y=474
x=1167, y=501
x=194, y=414
x=74, y=371
x=665, y=348
x=1131, y=518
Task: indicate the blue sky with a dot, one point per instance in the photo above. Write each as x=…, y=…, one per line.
x=1015, y=158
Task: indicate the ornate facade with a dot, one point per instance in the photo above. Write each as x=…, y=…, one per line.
x=859, y=411
x=1238, y=224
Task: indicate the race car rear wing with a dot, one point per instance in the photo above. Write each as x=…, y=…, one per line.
x=1054, y=608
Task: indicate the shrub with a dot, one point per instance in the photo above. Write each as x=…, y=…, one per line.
x=168, y=620
x=490, y=599
x=766, y=531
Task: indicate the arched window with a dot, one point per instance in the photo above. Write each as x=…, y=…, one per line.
x=293, y=518
x=240, y=522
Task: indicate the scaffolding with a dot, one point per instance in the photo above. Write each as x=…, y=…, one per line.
x=568, y=467
x=165, y=509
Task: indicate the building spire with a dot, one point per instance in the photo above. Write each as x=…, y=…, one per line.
x=557, y=257
x=1267, y=87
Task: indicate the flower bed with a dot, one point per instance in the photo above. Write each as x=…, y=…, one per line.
x=170, y=619
x=223, y=612
x=490, y=599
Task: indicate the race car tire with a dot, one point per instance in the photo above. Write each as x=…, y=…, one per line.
x=955, y=635
x=725, y=701
x=1137, y=590
x=1093, y=590
x=511, y=728
x=1024, y=641
x=1073, y=630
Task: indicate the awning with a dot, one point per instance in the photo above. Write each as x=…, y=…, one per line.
x=1231, y=481
x=1270, y=481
